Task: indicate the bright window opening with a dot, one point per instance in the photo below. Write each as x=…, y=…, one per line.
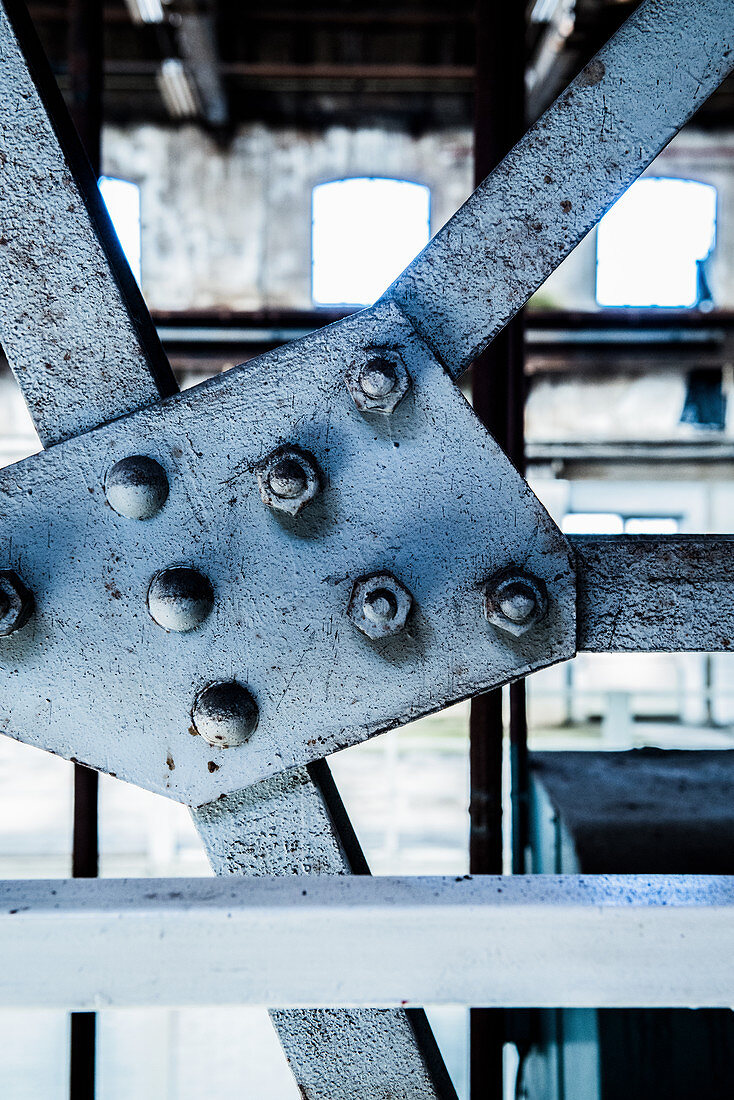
x=364, y=232
x=122, y=200
x=652, y=244
x=612, y=523
x=651, y=525
x=592, y=523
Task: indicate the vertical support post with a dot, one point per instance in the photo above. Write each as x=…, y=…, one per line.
x=85, y=46
x=498, y=396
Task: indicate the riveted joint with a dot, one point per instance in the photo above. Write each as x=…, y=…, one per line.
x=515, y=601
x=379, y=605
x=16, y=602
x=137, y=487
x=225, y=714
x=288, y=478
x=378, y=380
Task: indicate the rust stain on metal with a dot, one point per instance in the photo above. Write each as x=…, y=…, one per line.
x=593, y=74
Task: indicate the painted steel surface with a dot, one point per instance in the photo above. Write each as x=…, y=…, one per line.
x=600, y=941
x=645, y=593
x=73, y=324
x=363, y=1051
x=424, y=494
x=283, y=826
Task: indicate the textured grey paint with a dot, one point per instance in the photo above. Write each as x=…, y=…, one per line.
x=512, y=940
x=278, y=827
x=294, y=825
x=64, y=325
x=597, y=137
x=443, y=516
x=425, y=494
x=649, y=593
x=282, y=826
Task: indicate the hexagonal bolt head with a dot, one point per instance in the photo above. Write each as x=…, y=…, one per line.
x=288, y=479
x=378, y=381
x=515, y=601
x=379, y=605
x=179, y=598
x=16, y=602
x=225, y=714
x=136, y=487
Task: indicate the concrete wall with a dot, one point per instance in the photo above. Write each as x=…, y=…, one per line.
x=231, y=227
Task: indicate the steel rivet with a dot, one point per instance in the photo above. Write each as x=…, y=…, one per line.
x=180, y=598
x=225, y=714
x=16, y=602
x=515, y=601
x=136, y=487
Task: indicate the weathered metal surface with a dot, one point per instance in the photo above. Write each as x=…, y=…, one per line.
x=647, y=593
x=284, y=826
x=280, y=826
x=537, y=940
x=405, y=494
x=598, y=136
x=328, y=1052
x=72, y=322
x=424, y=494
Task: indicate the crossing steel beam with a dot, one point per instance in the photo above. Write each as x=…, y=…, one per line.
x=206, y=593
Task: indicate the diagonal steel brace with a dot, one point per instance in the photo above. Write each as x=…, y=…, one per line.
x=79, y=374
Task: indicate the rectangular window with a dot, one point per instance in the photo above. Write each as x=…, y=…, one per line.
x=364, y=233
x=653, y=243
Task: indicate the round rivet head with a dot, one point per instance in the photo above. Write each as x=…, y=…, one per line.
x=515, y=601
x=225, y=714
x=16, y=602
x=180, y=599
x=136, y=487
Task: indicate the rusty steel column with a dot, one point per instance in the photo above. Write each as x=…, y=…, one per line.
x=85, y=47
x=498, y=398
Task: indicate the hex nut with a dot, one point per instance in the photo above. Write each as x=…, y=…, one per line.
x=16, y=602
x=378, y=381
x=515, y=601
x=379, y=605
x=136, y=487
x=225, y=714
x=289, y=478
x=180, y=599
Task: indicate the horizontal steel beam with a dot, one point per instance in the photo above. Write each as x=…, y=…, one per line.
x=655, y=593
x=597, y=941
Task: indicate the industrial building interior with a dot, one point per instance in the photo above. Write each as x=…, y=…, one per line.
x=270, y=168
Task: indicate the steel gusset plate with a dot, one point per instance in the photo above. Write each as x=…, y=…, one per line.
x=424, y=494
